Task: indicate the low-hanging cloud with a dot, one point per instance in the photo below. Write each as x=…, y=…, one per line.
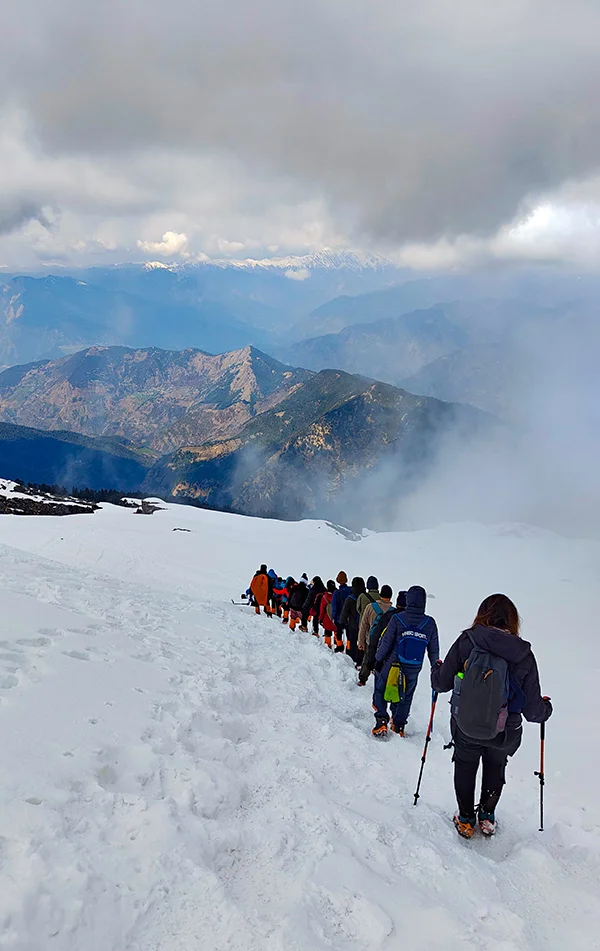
x=414, y=121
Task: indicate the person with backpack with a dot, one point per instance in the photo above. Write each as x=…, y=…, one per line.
x=326, y=614
x=377, y=629
x=337, y=603
x=372, y=611
x=495, y=682
x=349, y=619
x=262, y=590
x=278, y=589
x=272, y=574
x=312, y=606
x=286, y=592
x=398, y=661
x=370, y=595
x=296, y=603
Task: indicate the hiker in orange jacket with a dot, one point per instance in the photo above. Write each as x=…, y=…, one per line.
x=326, y=615
x=261, y=588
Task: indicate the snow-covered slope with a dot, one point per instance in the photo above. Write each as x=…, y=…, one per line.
x=179, y=774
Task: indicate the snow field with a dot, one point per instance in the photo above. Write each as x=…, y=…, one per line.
x=180, y=774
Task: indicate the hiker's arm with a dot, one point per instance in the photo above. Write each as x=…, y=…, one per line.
x=386, y=642
x=536, y=709
x=363, y=630
x=433, y=645
x=442, y=675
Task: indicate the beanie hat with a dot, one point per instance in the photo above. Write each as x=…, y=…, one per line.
x=342, y=578
x=401, y=600
x=386, y=591
x=263, y=568
x=372, y=583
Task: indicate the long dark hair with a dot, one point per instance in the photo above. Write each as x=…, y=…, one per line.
x=318, y=585
x=498, y=611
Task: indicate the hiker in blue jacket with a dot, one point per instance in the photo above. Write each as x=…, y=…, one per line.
x=407, y=637
x=339, y=597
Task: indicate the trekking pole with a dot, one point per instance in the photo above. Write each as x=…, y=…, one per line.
x=434, y=697
x=541, y=773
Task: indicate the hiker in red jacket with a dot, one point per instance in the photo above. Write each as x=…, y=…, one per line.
x=326, y=615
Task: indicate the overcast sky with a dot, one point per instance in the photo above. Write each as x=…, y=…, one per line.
x=444, y=131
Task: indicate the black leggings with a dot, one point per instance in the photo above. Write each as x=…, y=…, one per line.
x=467, y=756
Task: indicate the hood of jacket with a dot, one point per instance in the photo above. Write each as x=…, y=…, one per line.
x=272, y=574
x=513, y=649
x=416, y=599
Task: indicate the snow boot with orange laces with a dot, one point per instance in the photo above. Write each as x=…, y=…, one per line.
x=380, y=730
x=464, y=827
x=327, y=640
x=399, y=730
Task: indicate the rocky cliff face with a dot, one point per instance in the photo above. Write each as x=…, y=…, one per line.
x=315, y=452
x=157, y=399
x=240, y=430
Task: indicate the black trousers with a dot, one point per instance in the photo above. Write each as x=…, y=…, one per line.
x=468, y=754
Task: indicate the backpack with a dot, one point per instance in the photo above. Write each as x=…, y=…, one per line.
x=481, y=694
x=378, y=612
x=328, y=608
x=412, y=645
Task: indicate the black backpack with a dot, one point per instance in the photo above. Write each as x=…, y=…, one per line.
x=481, y=693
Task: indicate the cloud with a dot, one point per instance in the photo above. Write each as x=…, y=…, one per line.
x=429, y=124
x=297, y=274
x=172, y=245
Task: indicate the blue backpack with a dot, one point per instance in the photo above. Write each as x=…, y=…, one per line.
x=378, y=612
x=412, y=646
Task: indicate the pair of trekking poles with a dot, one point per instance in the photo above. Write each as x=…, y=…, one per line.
x=540, y=773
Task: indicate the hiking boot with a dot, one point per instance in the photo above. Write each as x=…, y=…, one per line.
x=303, y=629
x=380, y=729
x=399, y=730
x=464, y=827
x=338, y=650
x=487, y=823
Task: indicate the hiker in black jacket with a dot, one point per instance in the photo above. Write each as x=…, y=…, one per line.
x=298, y=596
x=350, y=619
x=495, y=630
x=312, y=605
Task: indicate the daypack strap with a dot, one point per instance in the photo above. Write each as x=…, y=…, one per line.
x=377, y=608
x=420, y=627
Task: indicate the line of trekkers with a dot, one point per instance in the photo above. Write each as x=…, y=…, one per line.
x=490, y=670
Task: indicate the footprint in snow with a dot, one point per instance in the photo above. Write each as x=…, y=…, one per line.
x=77, y=655
x=7, y=681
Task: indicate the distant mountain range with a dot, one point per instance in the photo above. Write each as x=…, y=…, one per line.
x=239, y=430
x=156, y=399
x=217, y=306
x=481, y=352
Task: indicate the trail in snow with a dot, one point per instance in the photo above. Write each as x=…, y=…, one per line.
x=179, y=774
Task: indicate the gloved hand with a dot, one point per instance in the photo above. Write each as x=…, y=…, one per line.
x=548, y=707
x=364, y=674
x=438, y=663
